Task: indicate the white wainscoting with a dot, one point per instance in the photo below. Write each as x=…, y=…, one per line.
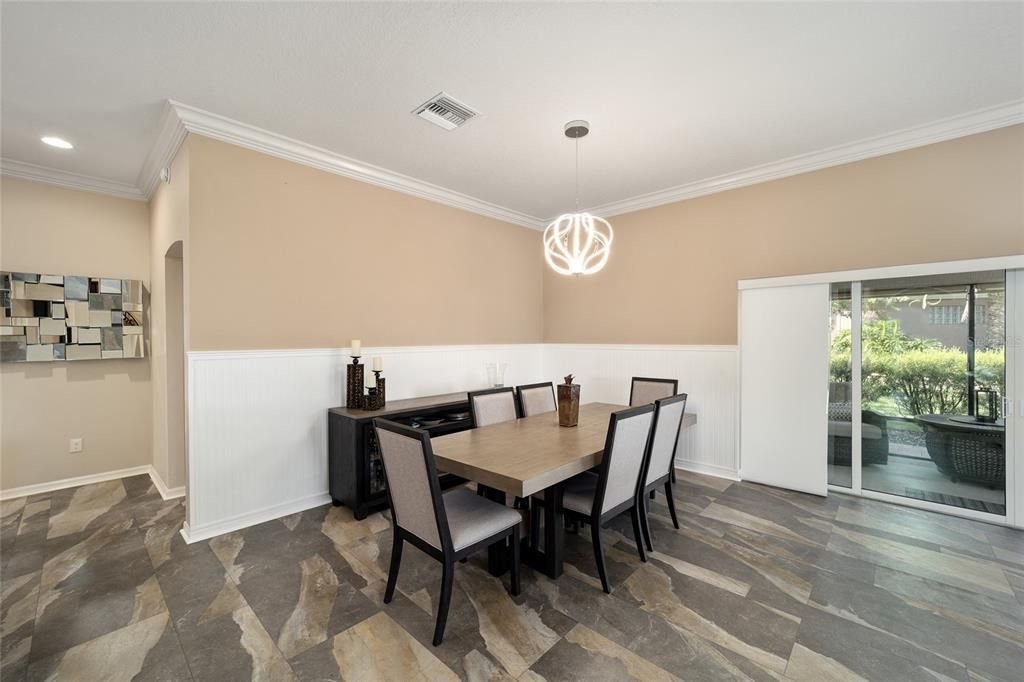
x=258, y=419
x=707, y=373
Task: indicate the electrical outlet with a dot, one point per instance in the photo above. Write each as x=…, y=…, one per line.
x=75, y=445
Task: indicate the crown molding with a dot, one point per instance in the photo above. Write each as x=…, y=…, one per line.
x=243, y=135
x=161, y=154
x=52, y=176
x=180, y=119
x=979, y=121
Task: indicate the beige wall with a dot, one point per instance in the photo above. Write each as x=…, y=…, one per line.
x=286, y=256
x=169, y=221
x=672, y=274
x=107, y=403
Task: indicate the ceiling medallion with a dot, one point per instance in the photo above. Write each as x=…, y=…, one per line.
x=577, y=243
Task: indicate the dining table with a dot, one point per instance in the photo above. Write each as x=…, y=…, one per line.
x=522, y=457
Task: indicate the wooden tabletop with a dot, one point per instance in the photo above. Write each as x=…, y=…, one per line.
x=527, y=455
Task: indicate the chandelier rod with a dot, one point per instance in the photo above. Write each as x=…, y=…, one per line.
x=577, y=174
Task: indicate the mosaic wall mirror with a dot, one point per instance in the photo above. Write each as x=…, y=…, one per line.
x=64, y=317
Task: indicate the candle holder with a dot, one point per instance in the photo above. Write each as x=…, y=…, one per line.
x=375, y=398
x=354, y=396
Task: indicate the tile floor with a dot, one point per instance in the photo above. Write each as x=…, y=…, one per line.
x=759, y=584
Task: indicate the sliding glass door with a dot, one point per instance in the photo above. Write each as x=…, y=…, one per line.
x=840, y=387
x=916, y=386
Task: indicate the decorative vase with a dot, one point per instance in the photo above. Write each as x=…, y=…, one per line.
x=568, y=403
x=495, y=374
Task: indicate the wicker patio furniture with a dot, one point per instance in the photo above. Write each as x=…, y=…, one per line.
x=966, y=450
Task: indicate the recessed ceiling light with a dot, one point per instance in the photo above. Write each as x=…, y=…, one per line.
x=57, y=142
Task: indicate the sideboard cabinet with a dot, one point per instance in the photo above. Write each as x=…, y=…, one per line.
x=355, y=469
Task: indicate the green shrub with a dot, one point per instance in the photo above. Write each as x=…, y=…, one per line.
x=920, y=375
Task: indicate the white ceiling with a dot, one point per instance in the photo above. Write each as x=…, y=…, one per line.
x=676, y=93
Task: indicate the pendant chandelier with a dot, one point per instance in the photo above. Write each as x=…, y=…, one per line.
x=577, y=243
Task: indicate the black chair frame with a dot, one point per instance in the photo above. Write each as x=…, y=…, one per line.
x=447, y=554
x=667, y=480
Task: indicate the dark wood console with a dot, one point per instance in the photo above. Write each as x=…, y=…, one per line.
x=355, y=469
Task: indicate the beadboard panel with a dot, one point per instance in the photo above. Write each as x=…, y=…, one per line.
x=258, y=420
x=707, y=373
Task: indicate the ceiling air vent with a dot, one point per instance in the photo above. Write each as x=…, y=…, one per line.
x=445, y=111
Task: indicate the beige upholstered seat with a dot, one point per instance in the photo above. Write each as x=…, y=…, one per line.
x=578, y=493
x=472, y=518
x=645, y=390
x=537, y=398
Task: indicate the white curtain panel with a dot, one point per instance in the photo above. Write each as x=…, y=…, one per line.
x=784, y=386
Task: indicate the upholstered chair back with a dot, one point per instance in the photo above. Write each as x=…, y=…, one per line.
x=668, y=417
x=644, y=391
x=537, y=399
x=492, y=406
x=624, y=455
x=409, y=482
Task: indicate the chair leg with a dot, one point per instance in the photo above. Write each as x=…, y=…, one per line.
x=595, y=534
x=637, y=532
x=396, y=561
x=671, y=503
x=645, y=526
x=515, y=561
x=447, y=577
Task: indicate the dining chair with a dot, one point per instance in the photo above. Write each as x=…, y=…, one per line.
x=447, y=527
x=536, y=398
x=493, y=405
x=645, y=390
x=596, y=499
x=668, y=421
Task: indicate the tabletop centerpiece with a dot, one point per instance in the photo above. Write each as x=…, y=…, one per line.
x=568, y=402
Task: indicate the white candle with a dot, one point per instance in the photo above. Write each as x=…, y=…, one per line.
x=356, y=348
x=370, y=380
x=378, y=364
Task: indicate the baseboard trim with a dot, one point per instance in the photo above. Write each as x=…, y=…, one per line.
x=252, y=518
x=75, y=481
x=161, y=486
x=708, y=469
